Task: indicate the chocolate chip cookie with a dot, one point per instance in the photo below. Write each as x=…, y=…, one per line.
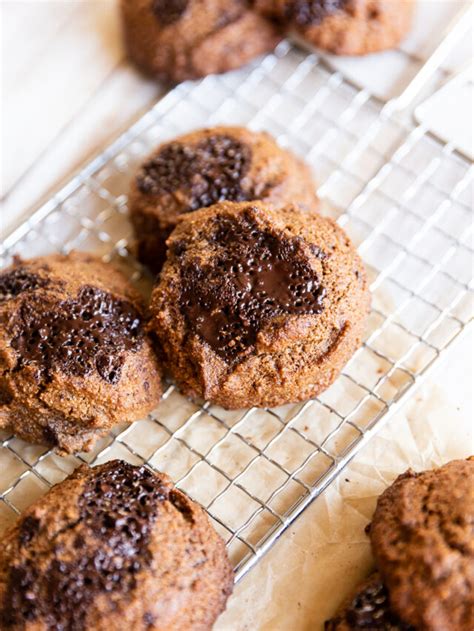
x=257, y=306
x=344, y=27
x=176, y=40
x=74, y=356
x=208, y=166
x=422, y=537
x=113, y=547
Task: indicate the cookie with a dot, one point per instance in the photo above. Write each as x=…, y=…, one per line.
x=175, y=40
x=113, y=547
x=367, y=610
x=422, y=537
x=208, y=166
x=344, y=27
x=257, y=306
x=74, y=356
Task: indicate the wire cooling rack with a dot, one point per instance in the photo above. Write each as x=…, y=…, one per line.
x=404, y=198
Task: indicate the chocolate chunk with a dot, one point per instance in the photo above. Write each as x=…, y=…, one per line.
x=312, y=12
x=77, y=336
x=169, y=11
x=258, y=277
x=206, y=173
x=19, y=280
x=371, y=609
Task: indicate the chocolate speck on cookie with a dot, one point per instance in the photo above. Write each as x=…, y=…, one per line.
x=169, y=11
x=28, y=529
x=18, y=280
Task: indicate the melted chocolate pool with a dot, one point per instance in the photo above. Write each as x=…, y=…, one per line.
x=257, y=277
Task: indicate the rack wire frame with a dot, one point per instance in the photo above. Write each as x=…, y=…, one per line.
x=403, y=197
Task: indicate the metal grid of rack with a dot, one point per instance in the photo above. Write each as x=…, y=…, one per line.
x=405, y=200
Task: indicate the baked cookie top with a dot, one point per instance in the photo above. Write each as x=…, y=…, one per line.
x=343, y=27
x=184, y=39
x=60, y=319
x=113, y=547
